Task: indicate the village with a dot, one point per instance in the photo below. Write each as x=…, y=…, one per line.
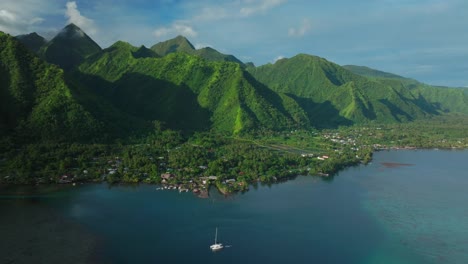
x=231, y=164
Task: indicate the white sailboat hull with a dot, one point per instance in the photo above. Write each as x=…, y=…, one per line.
x=215, y=247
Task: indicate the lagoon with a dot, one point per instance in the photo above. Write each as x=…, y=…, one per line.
x=404, y=207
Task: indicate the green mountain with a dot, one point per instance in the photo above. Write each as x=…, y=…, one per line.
x=33, y=41
x=121, y=90
x=332, y=95
x=69, y=47
x=35, y=100
x=181, y=44
x=187, y=92
x=177, y=44
x=444, y=99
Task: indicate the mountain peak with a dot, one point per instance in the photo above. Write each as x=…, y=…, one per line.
x=32, y=40
x=72, y=31
x=69, y=47
x=177, y=44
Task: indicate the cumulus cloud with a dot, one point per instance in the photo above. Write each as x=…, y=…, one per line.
x=74, y=16
x=259, y=6
x=7, y=16
x=17, y=18
x=177, y=28
x=301, y=30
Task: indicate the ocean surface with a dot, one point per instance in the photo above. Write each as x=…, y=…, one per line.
x=404, y=207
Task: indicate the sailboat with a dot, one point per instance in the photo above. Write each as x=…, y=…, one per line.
x=216, y=246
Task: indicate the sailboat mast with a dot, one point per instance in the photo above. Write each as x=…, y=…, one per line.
x=216, y=236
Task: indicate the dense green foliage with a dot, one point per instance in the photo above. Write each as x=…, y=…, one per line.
x=36, y=102
x=187, y=92
x=237, y=160
x=448, y=131
x=444, y=99
x=181, y=44
x=332, y=95
x=131, y=114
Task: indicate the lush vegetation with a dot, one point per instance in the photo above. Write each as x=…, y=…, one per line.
x=187, y=92
x=36, y=103
x=189, y=118
x=444, y=99
x=333, y=96
x=235, y=162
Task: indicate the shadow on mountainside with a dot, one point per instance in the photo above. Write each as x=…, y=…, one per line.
x=131, y=103
x=321, y=115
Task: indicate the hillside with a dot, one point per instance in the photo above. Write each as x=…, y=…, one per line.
x=181, y=44
x=332, y=95
x=121, y=90
x=188, y=92
x=69, y=47
x=35, y=101
x=445, y=99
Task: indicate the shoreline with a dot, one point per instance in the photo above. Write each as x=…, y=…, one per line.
x=201, y=189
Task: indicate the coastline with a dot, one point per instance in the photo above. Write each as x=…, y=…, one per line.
x=199, y=185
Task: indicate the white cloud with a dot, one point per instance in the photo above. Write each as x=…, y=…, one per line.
x=7, y=16
x=259, y=6
x=74, y=16
x=202, y=45
x=300, y=31
x=20, y=17
x=278, y=58
x=177, y=28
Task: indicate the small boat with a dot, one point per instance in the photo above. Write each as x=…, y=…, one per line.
x=216, y=246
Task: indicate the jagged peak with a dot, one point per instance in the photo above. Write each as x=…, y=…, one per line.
x=182, y=38
x=32, y=34
x=173, y=44
x=121, y=44
x=72, y=26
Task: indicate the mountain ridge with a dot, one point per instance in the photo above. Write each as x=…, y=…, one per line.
x=122, y=89
x=182, y=44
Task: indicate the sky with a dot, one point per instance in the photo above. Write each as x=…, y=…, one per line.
x=422, y=39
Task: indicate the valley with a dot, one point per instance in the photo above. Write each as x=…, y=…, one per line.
x=72, y=112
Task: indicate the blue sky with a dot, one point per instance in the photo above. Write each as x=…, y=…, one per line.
x=422, y=39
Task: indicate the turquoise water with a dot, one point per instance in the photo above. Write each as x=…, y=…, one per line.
x=415, y=213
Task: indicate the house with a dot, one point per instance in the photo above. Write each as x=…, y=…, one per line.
x=230, y=180
x=212, y=178
x=65, y=179
x=203, y=167
x=167, y=176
